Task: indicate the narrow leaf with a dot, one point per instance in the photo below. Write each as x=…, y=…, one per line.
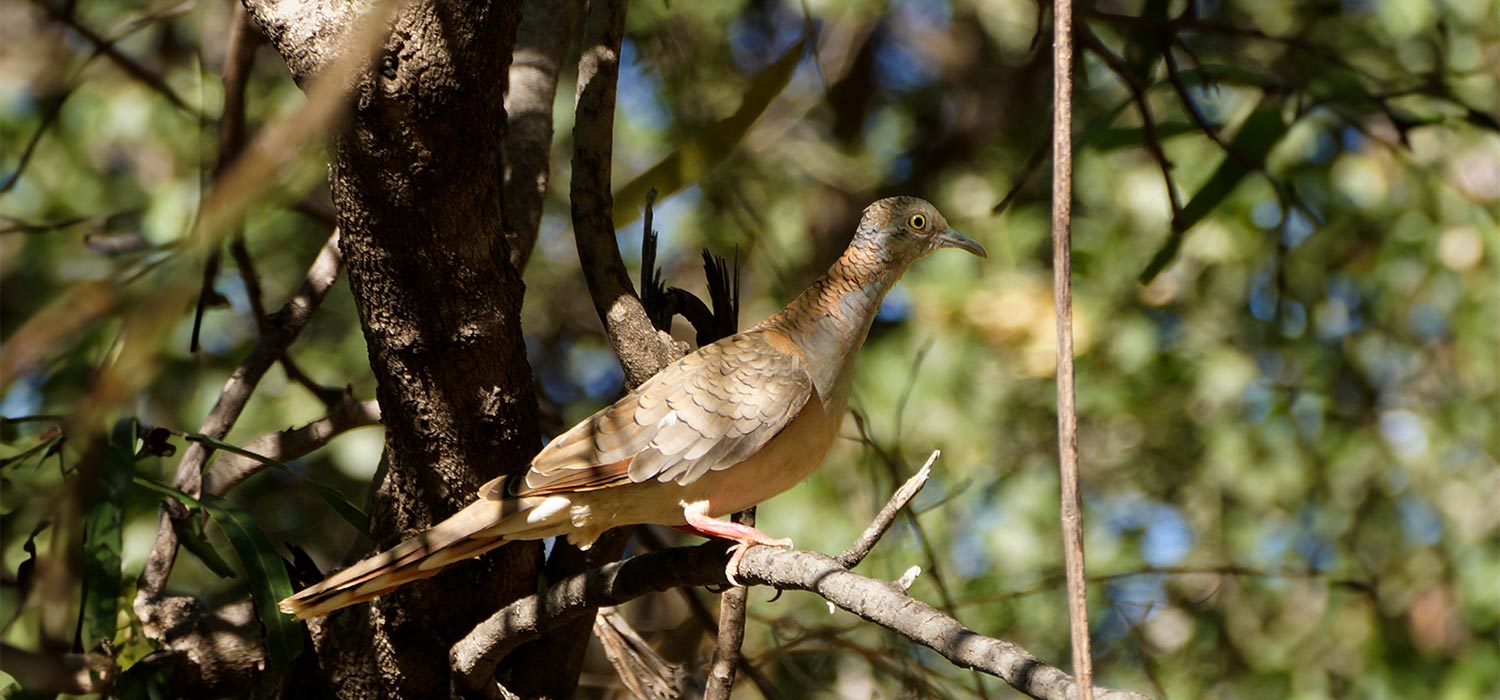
x=166, y=490
x=330, y=495
x=103, y=527
x=190, y=530
x=191, y=535
x=1261, y=131
x=22, y=455
x=267, y=577
x=710, y=146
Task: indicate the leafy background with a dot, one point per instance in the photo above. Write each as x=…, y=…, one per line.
x=1289, y=391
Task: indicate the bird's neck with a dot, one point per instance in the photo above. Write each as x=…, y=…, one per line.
x=830, y=319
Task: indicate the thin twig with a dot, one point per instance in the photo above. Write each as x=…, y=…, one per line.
x=929, y=553
x=106, y=47
x=232, y=399
x=239, y=57
x=731, y=634
x=1062, y=289
x=1138, y=95
x=857, y=552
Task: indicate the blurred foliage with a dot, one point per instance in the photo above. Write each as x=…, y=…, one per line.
x=1288, y=435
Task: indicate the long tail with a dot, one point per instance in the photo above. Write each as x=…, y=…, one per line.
x=482, y=526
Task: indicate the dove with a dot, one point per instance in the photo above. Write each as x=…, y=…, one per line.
x=723, y=428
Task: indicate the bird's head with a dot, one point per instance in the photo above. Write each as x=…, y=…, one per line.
x=906, y=229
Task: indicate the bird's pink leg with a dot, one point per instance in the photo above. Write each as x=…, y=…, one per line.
x=699, y=523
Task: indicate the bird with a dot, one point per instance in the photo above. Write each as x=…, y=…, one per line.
x=723, y=428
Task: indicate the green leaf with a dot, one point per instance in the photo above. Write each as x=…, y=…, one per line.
x=330, y=495
x=166, y=490
x=22, y=454
x=1261, y=131
x=190, y=530
x=190, y=535
x=103, y=528
x=711, y=145
x=267, y=577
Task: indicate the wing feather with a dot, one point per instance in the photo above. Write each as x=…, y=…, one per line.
x=708, y=411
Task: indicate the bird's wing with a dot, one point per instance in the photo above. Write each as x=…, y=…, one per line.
x=708, y=411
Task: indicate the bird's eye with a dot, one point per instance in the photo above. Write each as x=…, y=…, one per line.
x=917, y=222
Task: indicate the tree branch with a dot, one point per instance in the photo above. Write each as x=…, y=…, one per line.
x=475, y=656
x=1062, y=290
x=542, y=41
x=636, y=342
x=232, y=399
x=857, y=552
x=731, y=636
x=877, y=601
x=231, y=469
x=1137, y=89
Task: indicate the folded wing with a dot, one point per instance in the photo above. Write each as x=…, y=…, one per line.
x=708, y=411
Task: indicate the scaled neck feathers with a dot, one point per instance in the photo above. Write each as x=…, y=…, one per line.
x=830, y=319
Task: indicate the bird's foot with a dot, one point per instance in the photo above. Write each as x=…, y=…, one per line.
x=739, y=549
x=744, y=536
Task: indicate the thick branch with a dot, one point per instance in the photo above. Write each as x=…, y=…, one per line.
x=641, y=350
x=416, y=180
x=880, y=602
x=309, y=34
x=541, y=43
x=475, y=656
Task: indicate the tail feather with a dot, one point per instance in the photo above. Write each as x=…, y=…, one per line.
x=484, y=525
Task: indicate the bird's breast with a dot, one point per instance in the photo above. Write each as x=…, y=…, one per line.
x=788, y=459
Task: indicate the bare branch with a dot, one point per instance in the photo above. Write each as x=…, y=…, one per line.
x=106, y=47
x=1062, y=290
x=731, y=636
x=880, y=602
x=236, y=393
x=231, y=469
x=475, y=656
x=636, y=342
x=239, y=58
x=857, y=552
x=541, y=43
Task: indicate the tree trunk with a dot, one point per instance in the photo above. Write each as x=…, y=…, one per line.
x=416, y=179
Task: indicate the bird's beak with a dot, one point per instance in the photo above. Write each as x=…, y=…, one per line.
x=954, y=239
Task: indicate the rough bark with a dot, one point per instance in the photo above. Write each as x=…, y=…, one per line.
x=416, y=180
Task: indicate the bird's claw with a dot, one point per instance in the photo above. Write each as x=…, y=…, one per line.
x=738, y=551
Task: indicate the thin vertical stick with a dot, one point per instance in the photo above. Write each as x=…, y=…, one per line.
x=1062, y=290
x=726, y=659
